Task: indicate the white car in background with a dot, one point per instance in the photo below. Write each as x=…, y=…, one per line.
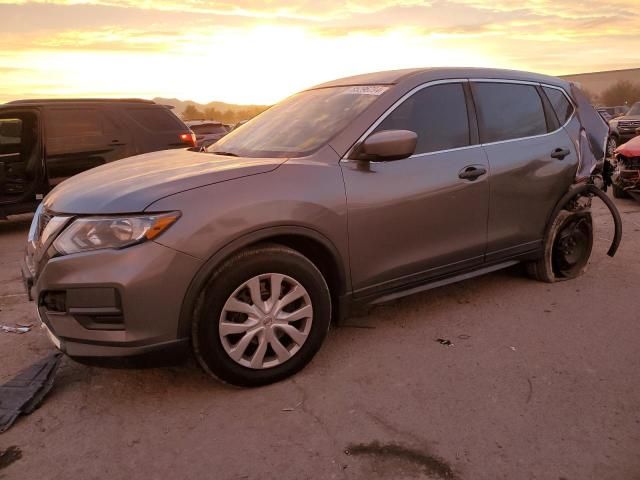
x=207, y=132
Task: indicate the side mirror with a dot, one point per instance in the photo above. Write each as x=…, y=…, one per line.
x=388, y=145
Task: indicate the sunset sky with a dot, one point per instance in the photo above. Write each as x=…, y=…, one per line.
x=248, y=51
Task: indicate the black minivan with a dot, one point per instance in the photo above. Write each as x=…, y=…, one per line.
x=43, y=142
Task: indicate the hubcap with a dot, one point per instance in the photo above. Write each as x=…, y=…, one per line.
x=265, y=321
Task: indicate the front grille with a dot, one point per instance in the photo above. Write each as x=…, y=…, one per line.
x=632, y=163
x=629, y=124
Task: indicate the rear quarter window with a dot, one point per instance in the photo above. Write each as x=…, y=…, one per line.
x=508, y=111
x=560, y=104
x=158, y=119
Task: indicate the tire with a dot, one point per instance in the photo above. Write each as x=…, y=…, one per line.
x=556, y=264
x=226, y=306
x=619, y=192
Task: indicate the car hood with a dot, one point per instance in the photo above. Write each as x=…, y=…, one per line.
x=132, y=184
x=627, y=117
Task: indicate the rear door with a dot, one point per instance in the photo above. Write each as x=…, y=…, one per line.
x=417, y=218
x=532, y=161
x=79, y=138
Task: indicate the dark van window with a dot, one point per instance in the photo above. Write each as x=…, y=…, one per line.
x=74, y=122
x=561, y=105
x=155, y=119
x=507, y=111
x=438, y=114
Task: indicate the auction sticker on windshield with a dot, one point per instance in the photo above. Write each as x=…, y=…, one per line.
x=366, y=90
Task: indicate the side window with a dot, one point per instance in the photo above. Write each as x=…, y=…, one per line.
x=508, y=110
x=74, y=122
x=156, y=119
x=77, y=129
x=561, y=105
x=438, y=114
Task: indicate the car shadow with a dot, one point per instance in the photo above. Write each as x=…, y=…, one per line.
x=17, y=223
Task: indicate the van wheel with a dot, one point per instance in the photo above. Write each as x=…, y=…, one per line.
x=262, y=317
x=567, y=248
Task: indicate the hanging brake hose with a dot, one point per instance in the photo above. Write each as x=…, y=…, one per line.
x=576, y=190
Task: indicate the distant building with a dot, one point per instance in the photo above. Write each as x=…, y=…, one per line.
x=598, y=82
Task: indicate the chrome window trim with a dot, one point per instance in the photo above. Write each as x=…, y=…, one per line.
x=462, y=80
x=538, y=84
x=435, y=152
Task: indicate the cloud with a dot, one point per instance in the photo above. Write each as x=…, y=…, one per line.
x=559, y=8
x=150, y=46
x=266, y=9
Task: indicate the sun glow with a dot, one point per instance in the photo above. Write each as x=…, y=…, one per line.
x=261, y=64
x=259, y=51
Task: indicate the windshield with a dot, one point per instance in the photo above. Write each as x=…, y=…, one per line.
x=299, y=125
x=635, y=110
x=208, y=129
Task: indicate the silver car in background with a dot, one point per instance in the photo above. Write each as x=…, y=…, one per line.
x=207, y=132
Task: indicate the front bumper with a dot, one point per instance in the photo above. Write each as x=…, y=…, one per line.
x=113, y=303
x=624, y=136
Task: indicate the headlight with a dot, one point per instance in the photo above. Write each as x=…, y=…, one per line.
x=94, y=233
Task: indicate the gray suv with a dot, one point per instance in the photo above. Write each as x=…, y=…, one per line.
x=352, y=193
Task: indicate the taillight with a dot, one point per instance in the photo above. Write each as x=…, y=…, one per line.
x=188, y=139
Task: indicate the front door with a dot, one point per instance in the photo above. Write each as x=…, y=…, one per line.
x=20, y=156
x=424, y=216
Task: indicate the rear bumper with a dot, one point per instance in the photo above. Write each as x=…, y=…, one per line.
x=113, y=303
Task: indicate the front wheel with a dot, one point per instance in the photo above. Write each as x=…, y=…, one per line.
x=262, y=316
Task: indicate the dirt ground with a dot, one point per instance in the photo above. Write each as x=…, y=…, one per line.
x=541, y=382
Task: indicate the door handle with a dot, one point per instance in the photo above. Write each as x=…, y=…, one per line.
x=560, y=153
x=471, y=173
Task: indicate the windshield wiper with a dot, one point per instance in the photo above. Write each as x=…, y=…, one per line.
x=226, y=154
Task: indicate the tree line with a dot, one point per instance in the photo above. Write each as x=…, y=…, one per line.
x=192, y=112
x=622, y=92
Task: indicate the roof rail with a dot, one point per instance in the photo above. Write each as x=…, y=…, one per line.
x=81, y=100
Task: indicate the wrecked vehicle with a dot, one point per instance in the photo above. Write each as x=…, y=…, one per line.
x=626, y=175
x=355, y=192
x=624, y=127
